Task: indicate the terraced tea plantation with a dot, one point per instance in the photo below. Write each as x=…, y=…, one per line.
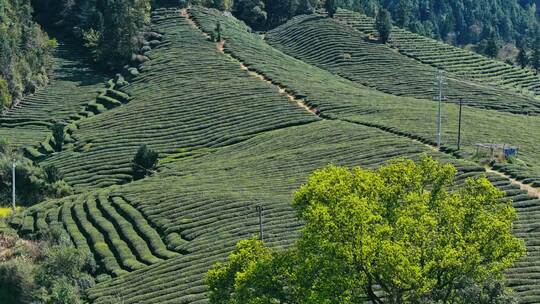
x=169, y=110
x=241, y=124
x=336, y=48
x=202, y=205
x=73, y=85
x=449, y=58
x=335, y=97
x=120, y=238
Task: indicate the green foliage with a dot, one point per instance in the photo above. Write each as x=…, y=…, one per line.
x=331, y=7
x=16, y=282
x=489, y=47
x=224, y=5
x=251, y=11
x=144, y=162
x=467, y=21
x=397, y=227
x=216, y=34
x=107, y=28
x=24, y=51
x=535, y=58
x=522, y=58
x=5, y=96
x=63, y=291
x=33, y=183
x=52, y=174
x=62, y=262
x=92, y=40
x=58, y=135
x=383, y=25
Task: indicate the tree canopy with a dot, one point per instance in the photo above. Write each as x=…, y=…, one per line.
x=399, y=229
x=24, y=52
x=383, y=25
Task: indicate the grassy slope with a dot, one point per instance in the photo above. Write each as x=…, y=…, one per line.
x=453, y=59
x=188, y=96
x=337, y=48
x=338, y=98
x=72, y=85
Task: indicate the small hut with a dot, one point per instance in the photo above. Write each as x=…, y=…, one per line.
x=498, y=151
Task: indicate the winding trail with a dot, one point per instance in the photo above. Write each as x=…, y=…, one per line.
x=302, y=103
x=220, y=46
x=532, y=191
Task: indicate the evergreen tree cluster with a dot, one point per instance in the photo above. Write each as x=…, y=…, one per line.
x=486, y=24
x=24, y=52
x=108, y=28
x=466, y=21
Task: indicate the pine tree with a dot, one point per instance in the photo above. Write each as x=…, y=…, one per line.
x=522, y=58
x=404, y=11
x=224, y=5
x=331, y=7
x=535, y=58
x=58, y=135
x=383, y=25
x=492, y=48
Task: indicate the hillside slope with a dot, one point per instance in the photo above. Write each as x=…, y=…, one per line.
x=239, y=124
x=348, y=53
x=453, y=59
x=338, y=98
x=188, y=96
x=73, y=84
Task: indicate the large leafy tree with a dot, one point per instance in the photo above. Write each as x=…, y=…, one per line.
x=251, y=11
x=398, y=229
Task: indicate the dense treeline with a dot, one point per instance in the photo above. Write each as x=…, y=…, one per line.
x=459, y=21
x=486, y=24
x=107, y=28
x=463, y=21
x=24, y=52
x=110, y=28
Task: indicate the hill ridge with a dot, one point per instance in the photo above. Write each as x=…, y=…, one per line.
x=527, y=81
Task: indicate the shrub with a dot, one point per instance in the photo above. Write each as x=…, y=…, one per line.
x=58, y=135
x=64, y=292
x=52, y=174
x=16, y=281
x=144, y=162
x=5, y=97
x=33, y=184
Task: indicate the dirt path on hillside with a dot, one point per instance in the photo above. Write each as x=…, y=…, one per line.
x=220, y=46
x=530, y=189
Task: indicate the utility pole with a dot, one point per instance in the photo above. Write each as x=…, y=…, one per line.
x=13, y=184
x=439, y=82
x=260, y=211
x=459, y=125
